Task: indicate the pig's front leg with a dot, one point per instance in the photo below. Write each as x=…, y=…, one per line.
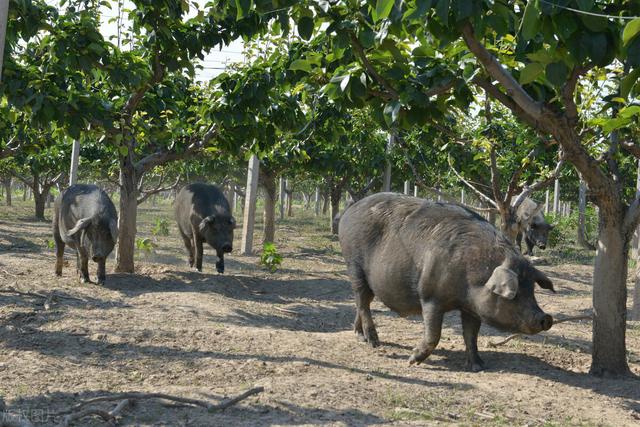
x=432, y=317
x=470, y=328
x=220, y=263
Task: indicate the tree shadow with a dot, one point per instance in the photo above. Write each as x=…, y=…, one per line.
x=626, y=388
x=12, y=243
x=240, y=287
x=297, y=317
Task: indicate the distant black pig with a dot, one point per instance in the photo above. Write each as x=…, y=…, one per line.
x=86, y=220
x=203, y=214
x=428, y=258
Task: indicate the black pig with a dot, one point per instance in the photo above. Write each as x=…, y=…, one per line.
x=203, y=214
x=86, y=220
x=428, y=258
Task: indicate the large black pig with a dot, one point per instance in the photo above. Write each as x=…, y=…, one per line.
x=428, y=258
x=86, y=220
x=203, y=214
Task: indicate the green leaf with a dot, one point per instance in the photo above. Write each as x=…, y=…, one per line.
x=391, y=112
x=633, y=52
x=557, y=73
x=628, y=82
x=630, y=31
x=530, y=20
x=585, y=5
x=464, y=9
x=628, y=112
x=383, y=9
x=442, y=10
x=243, y=7
x=531, y=72
x=300, y=65
x=305, y=27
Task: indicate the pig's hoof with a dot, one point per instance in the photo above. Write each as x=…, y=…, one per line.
x=418, y=356
x=220, y=269
x=100, y=282
x=372, y=338
x=84, y=280
x=58, y=273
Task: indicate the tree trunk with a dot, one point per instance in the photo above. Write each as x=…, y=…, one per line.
x=326, y=197
x=7, y=190
x=40, y=195
x=268, y=184
x=336, y=193
x=610, y=297
x=635, y=309
x=556, y=197
x=40, y=199
x=127, y=219
x=508, y=224
x=289, y=202
x=582, y=207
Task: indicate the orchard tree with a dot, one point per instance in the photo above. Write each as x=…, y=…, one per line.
x=417, y=59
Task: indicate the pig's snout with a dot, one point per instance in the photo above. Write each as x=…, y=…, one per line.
x=542, y=246
x=227, y=248
x=545, y=321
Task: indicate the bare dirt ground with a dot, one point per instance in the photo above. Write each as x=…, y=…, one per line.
x=209, y=336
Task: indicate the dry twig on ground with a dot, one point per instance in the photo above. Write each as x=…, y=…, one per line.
x=128, y=399
x=555, y=322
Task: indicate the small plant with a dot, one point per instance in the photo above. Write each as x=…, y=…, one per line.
x=161, y=227
x=270, y=257
x=145, y=246
x=50, y=244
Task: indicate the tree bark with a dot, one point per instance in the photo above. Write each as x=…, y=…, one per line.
x=127, y=219
x=582, y=207
x=326, y=196
x=610, y=298
x=336, y=194
x=40, y=199
x=7, y=190
x=268, y=184
x=635, y=309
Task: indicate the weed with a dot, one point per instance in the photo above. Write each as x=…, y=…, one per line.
x=145, y=246
x=270, y=257
x=161, y=227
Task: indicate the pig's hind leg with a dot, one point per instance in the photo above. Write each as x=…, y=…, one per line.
x=432, y=316
x=363, y=324
x=59, y=249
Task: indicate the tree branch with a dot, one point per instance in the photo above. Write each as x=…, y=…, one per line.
x=631, y=148
x=359, y=50
x=158, y=189
x=568, y=93
x=480, y=194
x=135, y=99
x=161, y=157
x=529, y=189
x=496, y=71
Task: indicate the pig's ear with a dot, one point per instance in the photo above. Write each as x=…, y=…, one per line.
x=113, y=229
x=541, y=279
x=205, y=222
x=503, y=282
x=80, y=225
